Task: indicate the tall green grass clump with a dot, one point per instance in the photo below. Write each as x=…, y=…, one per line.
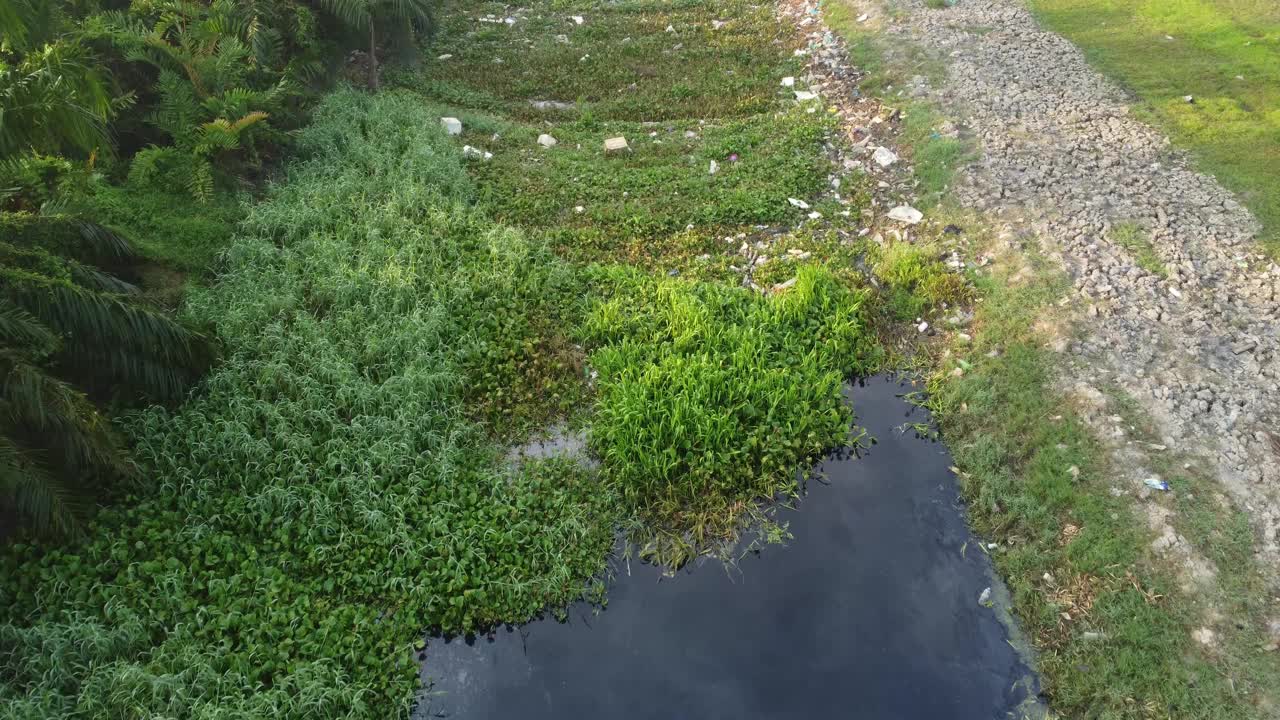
x=325, y=497
x=712, y=398
x=915, y=279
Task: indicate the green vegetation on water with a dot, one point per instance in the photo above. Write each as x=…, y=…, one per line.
x=324, y=498
x=712, y=397
x=1223, y=53
x=337, y=485
x=392, y=316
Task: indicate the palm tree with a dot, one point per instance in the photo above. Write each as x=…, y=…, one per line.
x=362, y=14
x=70, y=328
x=53, y=94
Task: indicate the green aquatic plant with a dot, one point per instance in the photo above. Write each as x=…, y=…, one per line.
x=711, y=398
x=326, y=496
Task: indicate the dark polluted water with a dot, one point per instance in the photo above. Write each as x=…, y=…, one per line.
x=871, y=611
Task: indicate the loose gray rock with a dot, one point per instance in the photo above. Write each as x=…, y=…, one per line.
x=1064, y=164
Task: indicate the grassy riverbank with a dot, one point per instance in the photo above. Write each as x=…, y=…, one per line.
x=1223, y=53
x=1114, y=623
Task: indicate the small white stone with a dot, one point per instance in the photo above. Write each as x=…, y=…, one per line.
x=715, y=167
x=577, y=19
x=884, y=157
x=798, y=203
x=788, y=81
x=546, y=140
x=616, y=144
x=445, y=56
x=906, y=214
x=579, y=209
x=922, y=326
x=671, y=28
x=815, y=215
x=451, y=125
x=805, y=95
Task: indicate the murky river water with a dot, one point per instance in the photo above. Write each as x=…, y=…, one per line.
x=871, y=611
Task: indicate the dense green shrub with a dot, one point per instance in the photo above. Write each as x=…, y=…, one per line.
x=325, y=497
x=713, y=398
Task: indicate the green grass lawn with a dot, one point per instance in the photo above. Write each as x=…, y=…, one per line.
x=1225, y=53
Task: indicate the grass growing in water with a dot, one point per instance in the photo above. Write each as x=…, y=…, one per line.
x=713, y=398
x=337, y=487
x=619, y=64
x=660, y=187
x=915, y=279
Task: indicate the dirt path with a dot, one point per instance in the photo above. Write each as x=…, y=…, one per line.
x=1183, y=311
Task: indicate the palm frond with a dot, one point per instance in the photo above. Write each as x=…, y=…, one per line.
x=20, y=328
x=45, y=501
x=53, y=99
x=67, y=236
x=95, y=279
x=60, y=416
x=87, y=318
x=355, y=13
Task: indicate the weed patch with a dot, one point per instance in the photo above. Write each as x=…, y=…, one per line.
x=594, y=204
x=713, y=399
x=915, y=279
x=1137, y=240
x=168, y=227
